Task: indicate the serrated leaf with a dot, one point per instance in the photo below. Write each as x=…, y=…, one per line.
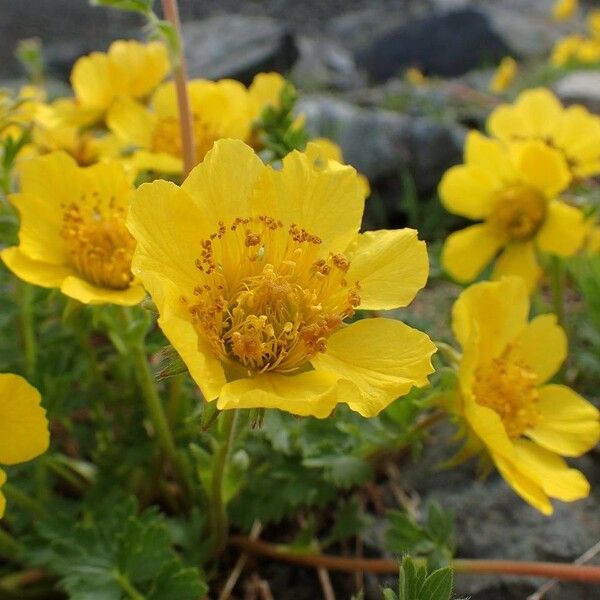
x=343, y=471
x=175, y=583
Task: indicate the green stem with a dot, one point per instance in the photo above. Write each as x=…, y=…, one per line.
x=9, y=546
x=16, y=496
x=127, y=586
x=558, y=289
x=27, y=327
x=220, y=524
x=175, y=398
x=153, y=403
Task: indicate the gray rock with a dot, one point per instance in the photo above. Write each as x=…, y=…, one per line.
x=357, y=29
x=381, y=143
x=447, y=44
x=325, y=64
x=237, y=46
x=526, y=25
x=580, y=87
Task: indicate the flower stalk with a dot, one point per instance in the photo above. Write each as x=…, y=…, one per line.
x=565, y=572
x=186, y=124
x=220, y=523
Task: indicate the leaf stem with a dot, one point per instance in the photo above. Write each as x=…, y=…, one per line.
x=183, y=100
x=127, y=586
x=565, y=572
x=220, y=524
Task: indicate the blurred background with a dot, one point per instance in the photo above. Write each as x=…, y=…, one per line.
x=394, y=82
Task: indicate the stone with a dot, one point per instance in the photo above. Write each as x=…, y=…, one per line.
x=447, y=45
x=580, y=87
x=325, y=64
x=527, y=26
x=381, y=143
x=237, y=46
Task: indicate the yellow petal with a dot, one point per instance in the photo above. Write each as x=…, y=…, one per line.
x=526, y=486
x=265, y=90
x=88, y=293
x=489, y=155
x=383, y=358
x=505, y=123
x=23, y=425
x=323, y=149
x=540, y=111
x=131, y=121
x=551, y=471
x=306, y=394
x=138, y=68
x=541, y=346
x=466, y=252
x=519, y=260
x=34, y=271
x=542, y=167
x=328, y=202
x=168, y=226
x=563, y=230
x=218, y=195
x=569, y=424
x=91, y=80
x=195, y=351
x=390, y=266
x=160, y=162
x=494, y=311
x=2, y=498
x=468, y=190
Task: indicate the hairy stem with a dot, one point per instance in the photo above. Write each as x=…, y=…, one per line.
x=183, y=100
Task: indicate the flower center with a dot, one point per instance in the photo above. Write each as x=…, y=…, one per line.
x=99, y=246
x=519, y=211
x=166, y=137
x=267, y=299
x=510, y=390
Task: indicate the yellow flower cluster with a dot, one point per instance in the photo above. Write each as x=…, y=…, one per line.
x=23, y=425
x=513, y=181
x=577, y=48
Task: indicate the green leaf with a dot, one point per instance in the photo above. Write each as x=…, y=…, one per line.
x=343, y=471
x=113, y=551
x=438, y=585
x=140, y=6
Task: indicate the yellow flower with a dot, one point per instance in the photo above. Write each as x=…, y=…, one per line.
x=322, y=150
x=129, y=68
x=220, y=109
x=593, y=22
x=565, y=50
x=563, y=10
x=504, y=75
x=50, y=133
x=538, y=115
x=72, y=234
x=23, y=425
x=592, y=245
x=509, y=410
x=513, y=190
x=414, y=76
x=254, y=271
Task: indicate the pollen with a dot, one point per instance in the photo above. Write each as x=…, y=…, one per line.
x=268, y=297
x=509, y=389
x=519, y=211
x=99, y=246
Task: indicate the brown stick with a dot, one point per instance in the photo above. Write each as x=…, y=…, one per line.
x=567, y=572
x=186, y=122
